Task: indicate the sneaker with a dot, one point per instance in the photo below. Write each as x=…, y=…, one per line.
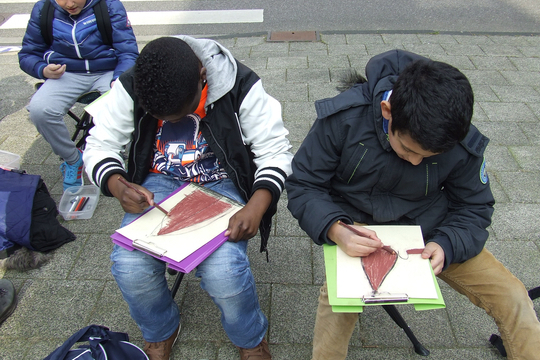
x=72, y=174
x=260, y=352
x=161, y=350
x=8, y=299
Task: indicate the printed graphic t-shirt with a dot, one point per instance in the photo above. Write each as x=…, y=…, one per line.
x=181, y=151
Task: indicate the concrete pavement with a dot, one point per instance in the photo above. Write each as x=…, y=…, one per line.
x=76, y=288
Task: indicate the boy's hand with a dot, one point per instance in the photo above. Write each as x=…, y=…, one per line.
x=353, y=244
x=54, y=71
x=434, y=252
x=244, y=224
x=131, y=200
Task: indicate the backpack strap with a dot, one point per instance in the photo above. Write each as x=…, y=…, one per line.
x=103, y=21
x=45, y=22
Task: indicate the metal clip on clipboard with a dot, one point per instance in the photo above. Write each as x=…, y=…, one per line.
x=150, y=248
x=381, y=298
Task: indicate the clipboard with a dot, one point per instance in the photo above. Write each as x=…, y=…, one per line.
x=209, y=234
x=342, y=304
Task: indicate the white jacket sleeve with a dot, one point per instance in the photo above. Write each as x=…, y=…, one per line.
x=113, y=128
x=263, y=130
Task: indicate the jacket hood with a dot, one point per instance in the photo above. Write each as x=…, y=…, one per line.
x=220, y=66
x=382, y=72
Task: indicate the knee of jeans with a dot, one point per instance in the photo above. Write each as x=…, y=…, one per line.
x=226, y=275
x=135, y=270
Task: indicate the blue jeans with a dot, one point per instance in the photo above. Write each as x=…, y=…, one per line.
x=225, y=275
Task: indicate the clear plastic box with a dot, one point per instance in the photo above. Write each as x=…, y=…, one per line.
x=9, y=161
x=73, y=197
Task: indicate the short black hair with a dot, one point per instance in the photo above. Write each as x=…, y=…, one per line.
x=166, y=76
x=432, y=102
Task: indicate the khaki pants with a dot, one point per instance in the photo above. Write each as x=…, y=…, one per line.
x=483, y=279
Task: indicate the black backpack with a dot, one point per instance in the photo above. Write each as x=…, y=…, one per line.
x=103, y=21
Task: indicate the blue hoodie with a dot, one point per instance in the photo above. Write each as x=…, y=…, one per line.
x=78, y=43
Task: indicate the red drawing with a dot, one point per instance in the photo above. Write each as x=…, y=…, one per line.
x=194, y=208
x=377, y=265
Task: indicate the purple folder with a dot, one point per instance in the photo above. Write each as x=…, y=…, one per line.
x=187, y=264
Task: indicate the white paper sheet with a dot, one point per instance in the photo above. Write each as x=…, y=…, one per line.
x=178, y=244
x=412, y=276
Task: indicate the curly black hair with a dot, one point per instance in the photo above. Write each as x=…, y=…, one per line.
x=166, y=74
x=432, y=102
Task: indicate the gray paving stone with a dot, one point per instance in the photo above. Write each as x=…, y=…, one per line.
x=376, y=49
x=509, y=40
x=532, y=132
x=526, y=157
x=425, y=49
x=485, y=77
x=529, y=51
x=311, y=47
x=198, y=350
x=364, y=39
x=460, y=49
x=522, y=186
x=521, y=77
x=473, y=40
x=461, y=62
x=113, y=312
x=294, y=62
x=471, y=325
x=322, y=91
x=436, y=39
x=510, y=112
x=484, y=93
x=330, y=39
x=499, y=158
x=501, y=50
x=492, y=63
x=527, y=64
x=347, y=49
x=72, y=301
x=431, y=328
x=400, y=39
x=498, y=192
x=288, y=92
x=308, y=76
x=249, y=41
x=513, y=221
x=283, y=251
x=293, y=313
x=328, y=62
x=524, y=94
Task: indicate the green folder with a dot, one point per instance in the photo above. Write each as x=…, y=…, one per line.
x=356, y=304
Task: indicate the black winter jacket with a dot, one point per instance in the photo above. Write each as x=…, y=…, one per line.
x=346, y=169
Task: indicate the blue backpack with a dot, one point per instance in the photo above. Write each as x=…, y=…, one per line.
x=104, y=345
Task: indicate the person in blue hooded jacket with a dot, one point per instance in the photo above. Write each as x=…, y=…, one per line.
x=398, y=148
x=77, y=61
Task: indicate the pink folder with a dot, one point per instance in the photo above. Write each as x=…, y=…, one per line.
x=187, y=264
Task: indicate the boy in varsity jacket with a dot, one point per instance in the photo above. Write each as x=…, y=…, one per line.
x=77, y=60
x=192, y=113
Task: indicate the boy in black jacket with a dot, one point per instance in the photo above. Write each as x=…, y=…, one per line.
x=399, y=148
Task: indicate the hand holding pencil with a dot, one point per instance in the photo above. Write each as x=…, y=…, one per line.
x=354, y=241
x=133, y=198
